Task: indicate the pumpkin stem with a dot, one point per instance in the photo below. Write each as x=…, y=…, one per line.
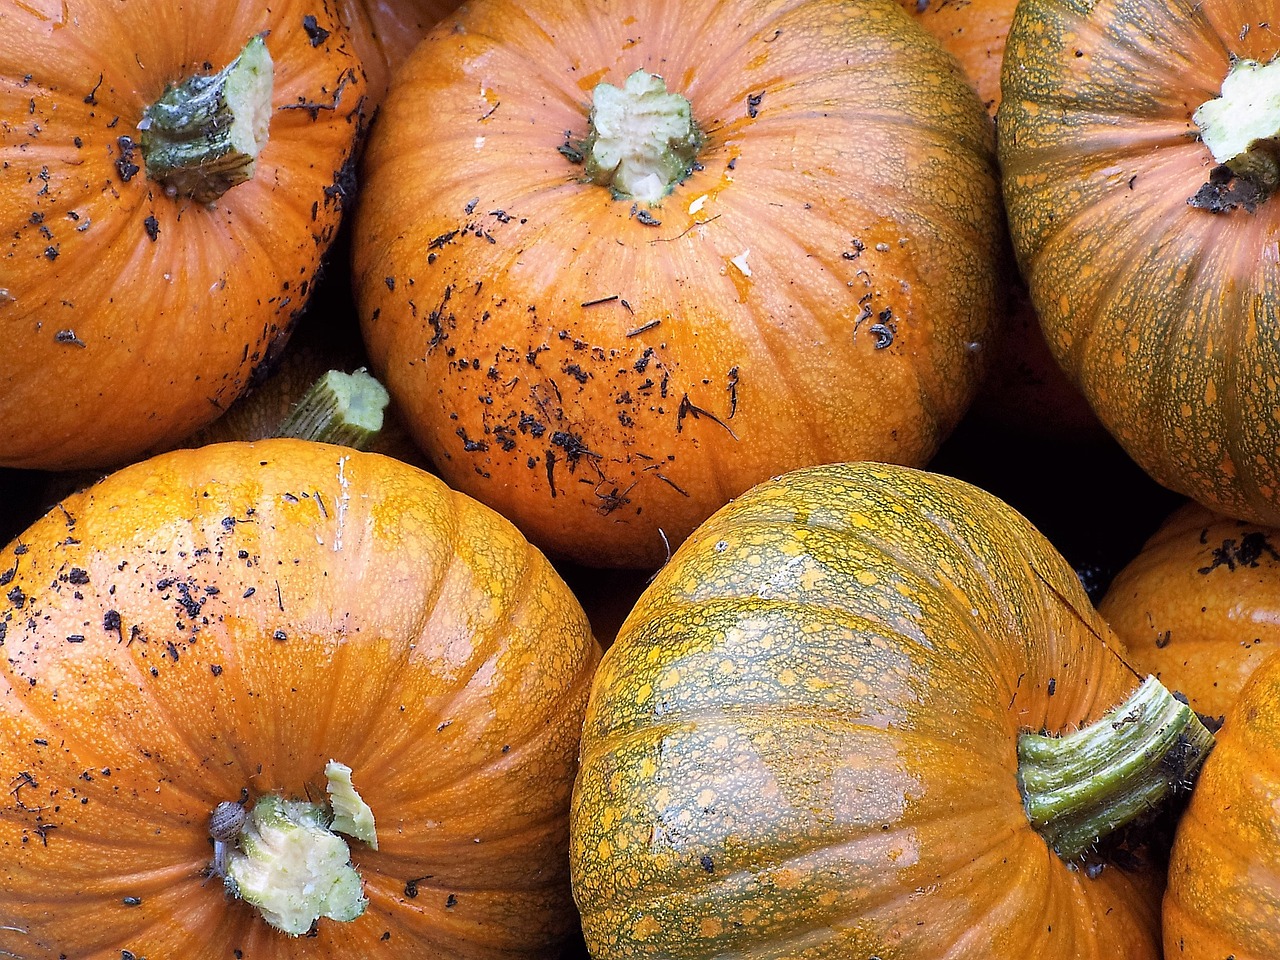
x=642, y=141
x=203, y=136
x=1241, y=128
x=340, y=408
x=289, y=863
x=1078, y=788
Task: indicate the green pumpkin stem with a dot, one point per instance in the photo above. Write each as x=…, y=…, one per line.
x=1079, y=788
x=1241, y=128
x=340, y=408
x=203, y=136
x=642, y=140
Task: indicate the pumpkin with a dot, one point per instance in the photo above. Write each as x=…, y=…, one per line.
x=794, y=264
x=1199, y=607
x=220, y=661
x=1137, y=202
x=386, y=31
x=153, y=259
x=1224, y=871
x=819, y=734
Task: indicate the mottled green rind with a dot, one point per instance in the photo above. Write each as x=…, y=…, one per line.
x=1160, y=311
x=803, y=742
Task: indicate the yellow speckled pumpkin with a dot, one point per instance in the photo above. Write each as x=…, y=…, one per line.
x=1199, y=607
x=806, y=739
x=173, y=172
x=213, y=627
x=803, y=272
x=1151, y=252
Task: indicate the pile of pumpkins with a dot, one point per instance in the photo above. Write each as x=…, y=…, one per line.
x=695, y=290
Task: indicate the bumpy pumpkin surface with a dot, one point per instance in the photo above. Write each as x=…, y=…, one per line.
x=606, y=372
x=1199, y=607
x=1223, y=897
x=230, y=619
x=1164, y=312
x=974, y=32
x=130, y=317
x=1024, y=389
x=803, y=742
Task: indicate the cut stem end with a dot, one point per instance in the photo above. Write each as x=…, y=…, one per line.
x=1241, y=128
x=285, y=856
x=203, y=136
x=642, y=141
x=341, y=408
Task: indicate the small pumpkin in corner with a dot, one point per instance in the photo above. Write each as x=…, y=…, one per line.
x=165, y=206
x=1224, y=870
x=1199, y=606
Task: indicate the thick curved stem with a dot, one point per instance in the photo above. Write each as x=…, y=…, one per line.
x=1079, y=788
x=642, y=141
x=203, y=136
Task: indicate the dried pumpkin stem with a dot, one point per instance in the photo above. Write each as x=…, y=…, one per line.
x=1079, y=788
x=341, y=408
x=1241, y=128
x=642, y=141
x=203, y=136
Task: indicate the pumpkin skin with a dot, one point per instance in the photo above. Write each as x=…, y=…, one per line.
x=974, y=33
x=608, y=383
x=385, y=33
x=1160, y=311
x=238, y=635
x=803, y=741
x=1025, y=389
x=130, y=317
x=1199, y=607
x=1223, y=897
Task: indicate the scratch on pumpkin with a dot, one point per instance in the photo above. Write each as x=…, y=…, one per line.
x=343, y=497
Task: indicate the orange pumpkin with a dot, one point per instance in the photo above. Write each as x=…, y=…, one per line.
x=214, y=626
x=1223, y=895
x=153, y=260
x=1199, y=607
x=607, y=363
x=1145, y=232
